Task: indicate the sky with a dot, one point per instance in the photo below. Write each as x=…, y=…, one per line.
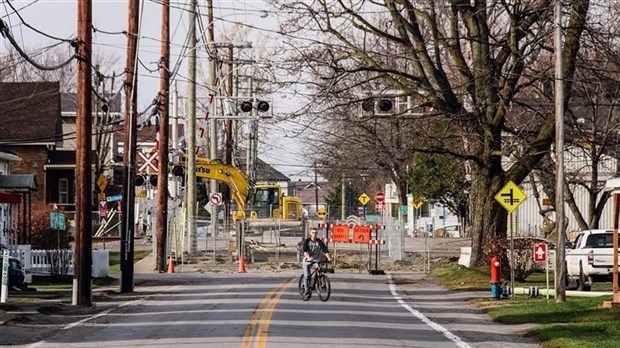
x=254, y=20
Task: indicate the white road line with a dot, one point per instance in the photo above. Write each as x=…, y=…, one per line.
x=80, y=322
x=449, y=335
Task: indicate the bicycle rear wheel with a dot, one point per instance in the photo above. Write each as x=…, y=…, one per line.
x=302, y=293
x=323, y=287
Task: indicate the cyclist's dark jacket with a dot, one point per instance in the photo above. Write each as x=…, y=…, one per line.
x=313, y=248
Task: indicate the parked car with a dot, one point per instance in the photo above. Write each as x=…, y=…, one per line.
x=16, y=273
x=590, y=259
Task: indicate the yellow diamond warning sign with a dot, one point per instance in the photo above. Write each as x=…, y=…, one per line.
x=511, y=196
x=363, y=198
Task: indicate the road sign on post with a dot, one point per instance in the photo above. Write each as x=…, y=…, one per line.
x=380, y=197
x=340, y=233
x=417, y=203
x=363, y=198
x=540, y=252
x=510, y=196
x=215, y=198
x=321, y=213
x=361, y=234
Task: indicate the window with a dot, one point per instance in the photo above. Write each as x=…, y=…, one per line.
x=63, y=191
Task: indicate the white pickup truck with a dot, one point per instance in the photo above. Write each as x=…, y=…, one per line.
x=590, y=259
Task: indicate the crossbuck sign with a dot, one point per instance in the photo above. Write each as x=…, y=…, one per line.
x=150, y=161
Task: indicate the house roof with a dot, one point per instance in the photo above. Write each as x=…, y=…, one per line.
x=30, y=112
x=265, y=172
x=8, y=155
x=18, y=182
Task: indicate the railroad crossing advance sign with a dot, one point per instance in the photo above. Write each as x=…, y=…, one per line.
x=417, y=203
x=540, y=252
x=511, y=196
x=321, y=213
x=363, y=198
x=215, y=198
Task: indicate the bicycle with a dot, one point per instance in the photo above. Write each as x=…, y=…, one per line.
x=318, y=281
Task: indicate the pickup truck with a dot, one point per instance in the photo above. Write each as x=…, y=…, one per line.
x=590, y=259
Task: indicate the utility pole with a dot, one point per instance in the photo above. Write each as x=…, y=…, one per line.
x=83, y=162
x=164, y=130
x=212, y=120
x=129, y=153
x=560, y=277
x=190, y=134
x=229, y=139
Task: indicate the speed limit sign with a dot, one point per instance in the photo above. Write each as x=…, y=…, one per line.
x=215, y=198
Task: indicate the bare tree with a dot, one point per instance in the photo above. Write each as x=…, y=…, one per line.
x=463, y=62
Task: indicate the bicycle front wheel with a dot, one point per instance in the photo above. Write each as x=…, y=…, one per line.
x=302, y=291
x=323, y=287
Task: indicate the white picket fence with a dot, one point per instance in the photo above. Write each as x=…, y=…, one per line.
x=44, y=262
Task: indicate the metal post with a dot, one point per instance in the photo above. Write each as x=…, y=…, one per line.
x=560, y=289
x=129, y=171
x=83, y=188
x=342, y=199
x=616, y=296
x=190, y=135
x=212, y=119
x=316, y=189
x=164, y=130
x=512, y=260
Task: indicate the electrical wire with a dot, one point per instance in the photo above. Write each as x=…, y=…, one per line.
x=7, y=34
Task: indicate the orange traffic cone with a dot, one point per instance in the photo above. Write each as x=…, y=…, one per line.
x=241, y=264
x=170, y=265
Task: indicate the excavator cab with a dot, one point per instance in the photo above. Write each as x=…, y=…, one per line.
x=265, y=202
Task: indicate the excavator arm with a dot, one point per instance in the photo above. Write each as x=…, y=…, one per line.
x=237, y=182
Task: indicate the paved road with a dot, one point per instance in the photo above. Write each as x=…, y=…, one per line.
x=264, y=310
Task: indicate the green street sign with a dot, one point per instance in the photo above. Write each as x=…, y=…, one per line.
x=403, y=210
x=57, y=221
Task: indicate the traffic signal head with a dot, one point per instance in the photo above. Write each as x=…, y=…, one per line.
x=153, y=180
x=385, y=105
x=262, y=106
x=246, y=106
x=368, y=105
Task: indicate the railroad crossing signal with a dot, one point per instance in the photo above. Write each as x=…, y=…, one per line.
x=511, y=196
x=540, y=252
x=363, y=198
x=151, y=161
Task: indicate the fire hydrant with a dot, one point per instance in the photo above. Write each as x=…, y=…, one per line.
x=496, y=288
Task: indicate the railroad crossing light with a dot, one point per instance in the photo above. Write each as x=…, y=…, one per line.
x=246, y=106
x=368, y=105
x=177, y=170
x=385, y=105
x=140, y=180
x=262, y=106
x=153, y=180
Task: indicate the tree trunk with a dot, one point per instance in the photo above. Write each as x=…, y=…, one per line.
x=488, y=218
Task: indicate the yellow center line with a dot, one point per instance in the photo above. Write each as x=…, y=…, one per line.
x=261, y=339
x=270, y=300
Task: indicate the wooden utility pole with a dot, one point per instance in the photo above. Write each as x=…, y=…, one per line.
x=129, y=152
x=190, y=135
x=83, y=161
x=164, y=130
x=229, y=139
x=560, y=278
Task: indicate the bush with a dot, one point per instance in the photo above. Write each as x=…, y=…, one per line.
x=43, y=237
x=524, y=256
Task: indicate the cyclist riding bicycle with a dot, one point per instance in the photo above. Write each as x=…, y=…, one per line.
x=314, y=251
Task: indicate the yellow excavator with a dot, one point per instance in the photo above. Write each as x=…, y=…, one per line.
x=258, y=202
